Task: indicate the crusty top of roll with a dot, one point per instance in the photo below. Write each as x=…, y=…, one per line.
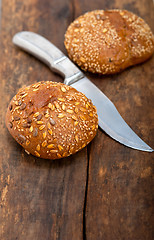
x=51, y=120
x=107, y=42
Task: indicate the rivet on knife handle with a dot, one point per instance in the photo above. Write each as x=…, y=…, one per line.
x=109, y=118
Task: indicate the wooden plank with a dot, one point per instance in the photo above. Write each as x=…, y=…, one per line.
x=40, y=199
x=43, y=199
x=119, y=196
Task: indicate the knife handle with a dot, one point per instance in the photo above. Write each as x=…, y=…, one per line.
x=49, y=54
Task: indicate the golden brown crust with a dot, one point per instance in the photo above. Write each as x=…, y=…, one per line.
x=51, y=120
x=107, y=42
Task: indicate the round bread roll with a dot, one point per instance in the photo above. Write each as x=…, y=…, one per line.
x=51, y=120
x=106, y=42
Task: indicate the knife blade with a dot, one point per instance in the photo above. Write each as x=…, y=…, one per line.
x=109, y=118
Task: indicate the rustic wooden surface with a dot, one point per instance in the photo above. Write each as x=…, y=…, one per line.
x=105, y=191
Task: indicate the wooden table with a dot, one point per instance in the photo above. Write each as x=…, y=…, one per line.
x=105, y=191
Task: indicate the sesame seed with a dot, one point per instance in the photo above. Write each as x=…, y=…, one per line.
x=58, y=155
x=36, y=85
x=27, y=152
x=83, y=145
x=87, y=106
x=122, y=13
x=48, y=125
x=38, y=147
x=24, y=95
x=93, y=127
x=51, y=106
x=50, y=146
x=82, y=109
x=77, y=103
x=76, y=110
x=76, y=123
x=41, y=127
x=39, y=122
x=53, y=151
x=63, y=106
x=36, y=114
x=63, y=89
x=76, y=138
x=44, y=134
x=65, y=154
x=104, y=30
x=31, y=129
x=60, y=147
x=44, y=143
x=16, y=108
x=83, y=118
x=50, y=131
x=61, y=115
x=74, y=117
x=36, y=89
x=37, y=154
x=71, y=150
x=57, y=105
x=47, y=115
x=61, y=99
x=69, y=111
x=82, y=59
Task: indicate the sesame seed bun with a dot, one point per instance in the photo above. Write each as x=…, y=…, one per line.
x=51, y=120
x=106, y=42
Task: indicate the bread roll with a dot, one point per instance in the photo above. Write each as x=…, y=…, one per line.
x=51, y=120
x=106, y=42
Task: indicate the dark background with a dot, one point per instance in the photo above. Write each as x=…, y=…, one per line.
x=105, y=191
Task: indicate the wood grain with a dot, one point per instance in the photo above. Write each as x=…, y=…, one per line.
x=40, y=199
x=105, y=190
x=119, y=196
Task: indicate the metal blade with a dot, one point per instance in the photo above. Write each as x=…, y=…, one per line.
x=110, y=119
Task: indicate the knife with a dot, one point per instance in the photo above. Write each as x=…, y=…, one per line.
x=109, y=118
